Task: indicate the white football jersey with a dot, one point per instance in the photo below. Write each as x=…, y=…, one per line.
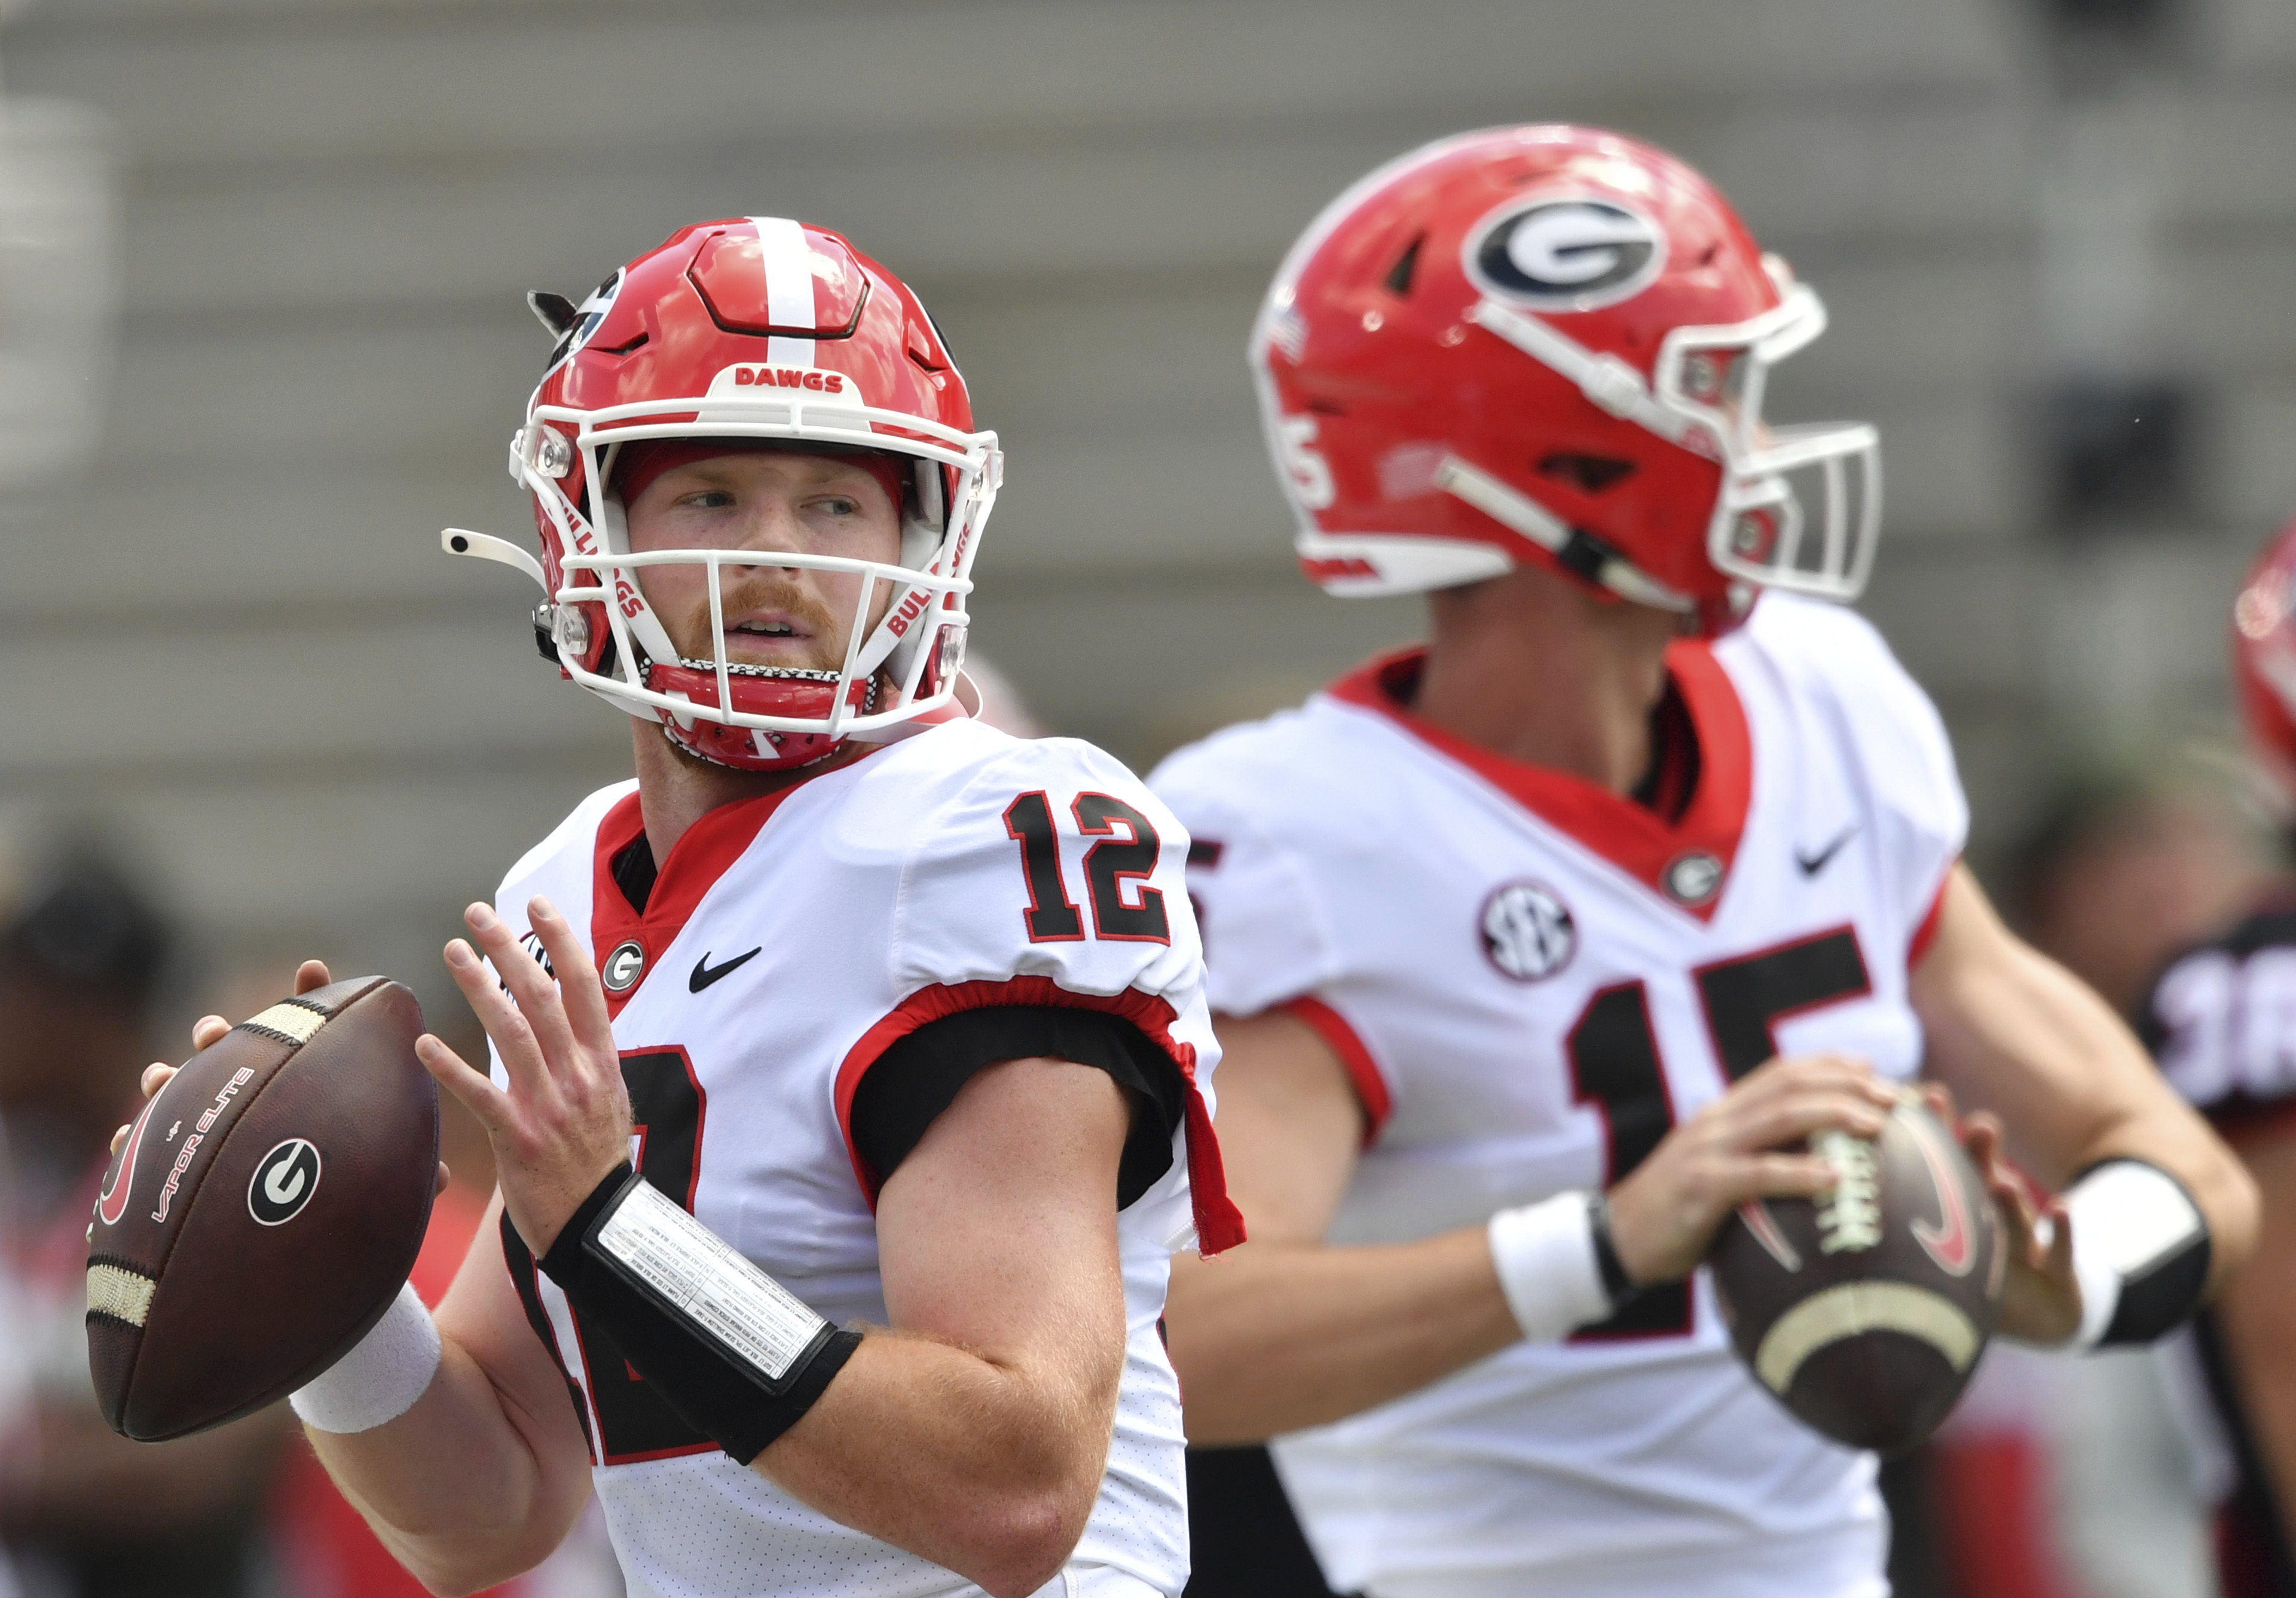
x=787, y=942
x=1531, y=980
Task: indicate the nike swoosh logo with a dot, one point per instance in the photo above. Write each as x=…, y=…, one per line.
x=705, y=973
x=112, y=1202
x=1811, y=865
x=1953, y=1245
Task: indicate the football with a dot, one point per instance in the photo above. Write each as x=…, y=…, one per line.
x=1865, y=1310
x=262, y=1211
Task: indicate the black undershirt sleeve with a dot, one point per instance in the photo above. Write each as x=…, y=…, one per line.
x=918, y=1076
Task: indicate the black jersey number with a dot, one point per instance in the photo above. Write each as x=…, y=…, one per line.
x=1615, y=1067
x=1115, y=869
x=668, y=1105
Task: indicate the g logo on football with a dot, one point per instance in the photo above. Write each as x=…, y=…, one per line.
x=1565, y=254
x=1528, y=932
x=283, y=1182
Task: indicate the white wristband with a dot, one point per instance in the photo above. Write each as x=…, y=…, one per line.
x=1545, y=1253
x=380, y=1377
x=2128, y=1216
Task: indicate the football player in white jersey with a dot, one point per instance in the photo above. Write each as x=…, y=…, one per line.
x=842, y=1161
x=1533, y=945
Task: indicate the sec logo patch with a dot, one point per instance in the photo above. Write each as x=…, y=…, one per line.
x=283, y=1183
x=1528, y=932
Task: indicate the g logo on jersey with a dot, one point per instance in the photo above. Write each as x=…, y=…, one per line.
x=1565, y=254
x=1528, y=932
x=283, y=1182
x=1692, y=879
x=623, y=967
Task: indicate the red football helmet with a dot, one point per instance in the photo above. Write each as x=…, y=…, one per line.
x=2264, y=664
x=754, y=328
x=1551, y=343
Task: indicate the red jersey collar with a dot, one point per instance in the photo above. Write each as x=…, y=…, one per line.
x=1686, y=861
x=702, y=854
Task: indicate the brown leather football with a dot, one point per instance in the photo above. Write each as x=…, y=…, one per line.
x=1864, y=1311
x=263, y=1211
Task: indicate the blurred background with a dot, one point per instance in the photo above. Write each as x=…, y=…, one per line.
x=261, y=337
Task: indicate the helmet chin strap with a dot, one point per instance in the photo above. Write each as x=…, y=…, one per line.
x=1579, y=553
x=1608, y=382
x=690, y=751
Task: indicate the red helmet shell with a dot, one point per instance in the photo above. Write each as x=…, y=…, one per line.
x=2264, y=662
x=1378, y=363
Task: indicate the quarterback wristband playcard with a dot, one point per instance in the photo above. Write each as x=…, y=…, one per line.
x=693, y=1273
x=726, y=1345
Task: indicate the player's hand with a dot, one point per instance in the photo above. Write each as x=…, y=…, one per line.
x=2040, y=1297
x=210, y=1029
x=564, y=1121
x=1663, y=1216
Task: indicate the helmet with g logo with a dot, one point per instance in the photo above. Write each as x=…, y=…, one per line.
x=751, y=328
x=1551, y=344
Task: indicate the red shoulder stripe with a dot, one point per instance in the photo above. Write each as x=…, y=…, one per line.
x=1371, y=1087
x=1925, y=930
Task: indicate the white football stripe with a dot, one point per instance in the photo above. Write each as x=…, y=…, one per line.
x=121, y=1294
x=1855, y=1306
x=290, y=1020
x=789, y=287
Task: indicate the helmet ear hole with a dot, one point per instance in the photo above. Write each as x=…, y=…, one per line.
x=1590, y=474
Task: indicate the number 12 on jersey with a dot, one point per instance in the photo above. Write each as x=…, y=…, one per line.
x=1117, y=867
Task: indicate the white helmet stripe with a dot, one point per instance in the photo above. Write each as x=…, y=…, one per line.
x=789, y=287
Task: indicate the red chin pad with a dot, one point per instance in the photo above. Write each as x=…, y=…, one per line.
x=640, y=463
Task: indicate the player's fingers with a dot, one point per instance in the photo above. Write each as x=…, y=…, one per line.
x=1775, y=1176
x=1843, y=1073
x=474, y=1088
x=2058, y=1265
x=513, y=1039
x=579, y=991
x=445, y=1177
x=155, y=1077
x=311, y=974
x=208, y=1031
x=1780, y=1119
x=119, y=1136
x=2014, y=1206
x=1939, y=1098
x=536, y=996
x=1829, y=1064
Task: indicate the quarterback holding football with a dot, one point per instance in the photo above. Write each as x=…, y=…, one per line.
x=849, y=1090
x=1538, y=949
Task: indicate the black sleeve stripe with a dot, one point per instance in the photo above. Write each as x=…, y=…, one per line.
x=918, y=1076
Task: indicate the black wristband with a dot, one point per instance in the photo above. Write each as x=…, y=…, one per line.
x=1616, y=1282
x=725, y=1345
